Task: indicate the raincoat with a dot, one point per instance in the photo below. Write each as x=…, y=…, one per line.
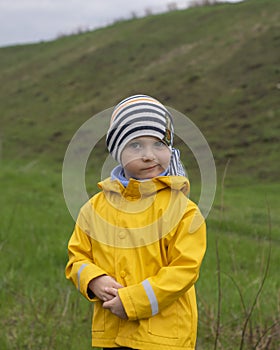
x=151, y=238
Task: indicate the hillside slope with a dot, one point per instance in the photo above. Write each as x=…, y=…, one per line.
x=217, y=64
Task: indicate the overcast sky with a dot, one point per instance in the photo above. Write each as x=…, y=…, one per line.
x=28, y=21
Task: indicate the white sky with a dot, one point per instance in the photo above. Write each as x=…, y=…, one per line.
x=27, y=21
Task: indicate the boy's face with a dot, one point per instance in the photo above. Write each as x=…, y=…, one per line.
x=145, y=157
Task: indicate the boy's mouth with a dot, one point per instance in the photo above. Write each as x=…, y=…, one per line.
x=151, y=167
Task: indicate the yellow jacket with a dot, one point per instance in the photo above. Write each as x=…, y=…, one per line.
x=151, y=238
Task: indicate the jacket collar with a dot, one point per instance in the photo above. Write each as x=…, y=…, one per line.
x=136, y=188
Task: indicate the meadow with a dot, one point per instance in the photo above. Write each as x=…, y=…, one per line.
x=42, y=310
x=219, y=65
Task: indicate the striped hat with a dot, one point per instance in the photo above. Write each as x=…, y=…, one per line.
x=136, y=116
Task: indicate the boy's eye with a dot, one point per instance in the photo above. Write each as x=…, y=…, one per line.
x=134, y=145
x=159, y=144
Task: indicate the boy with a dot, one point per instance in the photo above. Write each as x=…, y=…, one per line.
x=133, y=252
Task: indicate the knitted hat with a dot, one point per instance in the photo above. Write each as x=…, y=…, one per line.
x=135, y=116
x=141, y=115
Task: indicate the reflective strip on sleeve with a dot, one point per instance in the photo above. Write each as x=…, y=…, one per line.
x=79, y=274
x=151, y=295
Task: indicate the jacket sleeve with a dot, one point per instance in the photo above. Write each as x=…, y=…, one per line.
x=185, y=250
x=80, y=268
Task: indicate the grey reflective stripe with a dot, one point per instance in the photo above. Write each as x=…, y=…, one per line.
x=152, y=297
x=79, y=274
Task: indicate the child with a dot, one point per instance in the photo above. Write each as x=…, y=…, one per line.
x=133, y=252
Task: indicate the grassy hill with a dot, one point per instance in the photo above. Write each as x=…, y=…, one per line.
x=217, y=64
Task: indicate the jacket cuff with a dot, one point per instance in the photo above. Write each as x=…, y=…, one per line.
x=139, y=310
x=85, y=274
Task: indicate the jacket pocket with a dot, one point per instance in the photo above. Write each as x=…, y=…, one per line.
x=165, y=324
x=98, y=320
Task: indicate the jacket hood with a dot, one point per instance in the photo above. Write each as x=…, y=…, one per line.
x=136, y=188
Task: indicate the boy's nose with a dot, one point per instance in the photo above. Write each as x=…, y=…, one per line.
x=148, y=154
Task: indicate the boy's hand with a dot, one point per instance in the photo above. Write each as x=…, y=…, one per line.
x=104, y=287
x=116, y=307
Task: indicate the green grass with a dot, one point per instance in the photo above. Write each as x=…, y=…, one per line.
x=244, y=233
x=44, y=311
